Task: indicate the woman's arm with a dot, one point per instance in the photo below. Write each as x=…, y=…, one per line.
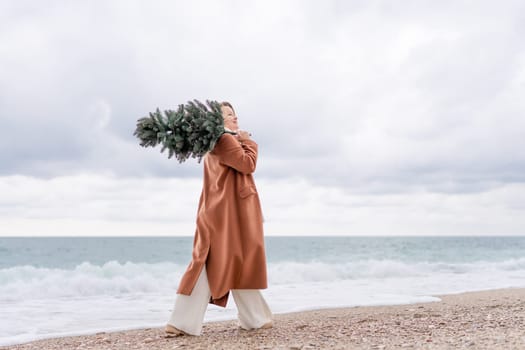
x=241, y=157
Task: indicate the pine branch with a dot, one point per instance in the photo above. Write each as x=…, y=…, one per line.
x=190, y=131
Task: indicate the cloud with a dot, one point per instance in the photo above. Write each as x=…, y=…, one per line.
x=363, y=97
x=92, y=204
x=369, y=90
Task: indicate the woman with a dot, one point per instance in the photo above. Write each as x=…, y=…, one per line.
x=228, y=248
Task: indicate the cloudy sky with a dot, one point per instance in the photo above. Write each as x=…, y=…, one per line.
x=372, y=117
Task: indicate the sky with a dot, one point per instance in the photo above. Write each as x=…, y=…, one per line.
x=372, y=117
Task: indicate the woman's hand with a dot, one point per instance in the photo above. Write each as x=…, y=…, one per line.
x=243, y=135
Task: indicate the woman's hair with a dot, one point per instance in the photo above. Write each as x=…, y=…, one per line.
x=227, y=104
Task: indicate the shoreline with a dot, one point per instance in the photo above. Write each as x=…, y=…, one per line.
x=491, y=319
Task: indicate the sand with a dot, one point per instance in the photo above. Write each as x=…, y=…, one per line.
x=478, y=320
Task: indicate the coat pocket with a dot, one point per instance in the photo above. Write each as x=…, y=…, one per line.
x=247, y=191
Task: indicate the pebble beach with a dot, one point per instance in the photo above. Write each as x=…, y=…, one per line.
x=492, y=319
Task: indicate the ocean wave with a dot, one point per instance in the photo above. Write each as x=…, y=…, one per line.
x=86, y=279
x=294, y=272
x=118, y=279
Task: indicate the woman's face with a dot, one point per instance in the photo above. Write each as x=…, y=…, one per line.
x=230, y=119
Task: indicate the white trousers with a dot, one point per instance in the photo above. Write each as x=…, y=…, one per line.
x=188, y=312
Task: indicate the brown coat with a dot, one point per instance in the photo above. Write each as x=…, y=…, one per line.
x=229, y=234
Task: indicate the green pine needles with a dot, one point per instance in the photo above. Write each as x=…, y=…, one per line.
x=190, y=131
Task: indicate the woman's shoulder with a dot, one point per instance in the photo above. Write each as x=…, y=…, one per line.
x=227, y=137
x=226, y=141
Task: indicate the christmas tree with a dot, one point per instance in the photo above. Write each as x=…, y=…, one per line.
x=190, y=131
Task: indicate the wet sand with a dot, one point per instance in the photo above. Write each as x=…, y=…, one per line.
x=478, y=320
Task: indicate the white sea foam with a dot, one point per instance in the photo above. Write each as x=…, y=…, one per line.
x=294, y=272
x=86, y=279
x=90, y=298
x=118, y=279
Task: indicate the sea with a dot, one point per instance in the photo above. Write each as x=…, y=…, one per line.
x=60, y=286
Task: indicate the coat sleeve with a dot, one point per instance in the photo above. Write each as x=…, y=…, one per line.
x=242, y=158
